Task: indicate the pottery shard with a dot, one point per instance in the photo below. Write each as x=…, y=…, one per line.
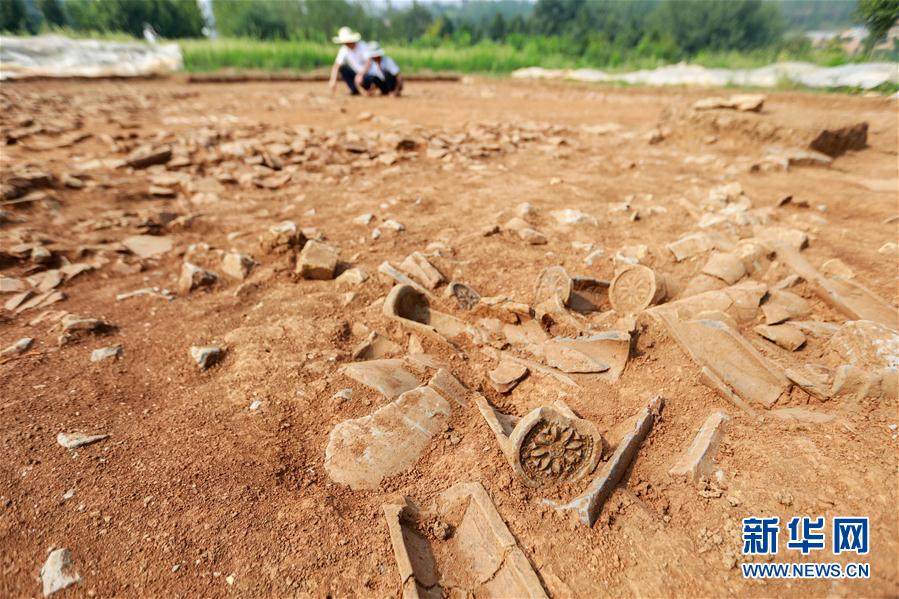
x=690, y=245
x=317, y=261
x=466, y=297
x=417, y=266
x=741, y=102
x=552, y=446
x=866, y=344
x=76, y=440
x=206, y=356
x=11, y=285
x=698, y=460
x=147, y=246
x=835, y=142
x=375, y=347
x=587, y=506
x=730, y=365
x=635, y=288
x=506, y=376
x=387, y=376
x=362, y=452
x=58, y=572
x=568, y=355
x=740, y=301
x=837, y=268
x=782, y=306
x=605, y=353
x=193, y=277
x=553, y=284
x=479, y=559
x=148, y=156
x=849, y=297
x=282, y=237
x=237, y=265
x=725, y=266
x=783, y=335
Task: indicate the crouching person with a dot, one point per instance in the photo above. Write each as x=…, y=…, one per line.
x=380, y=72
x=350, y=61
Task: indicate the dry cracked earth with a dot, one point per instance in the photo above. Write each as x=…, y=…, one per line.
x=491, y=339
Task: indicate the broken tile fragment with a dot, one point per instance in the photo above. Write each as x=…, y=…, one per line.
x=782, y=306
x=466, y=297
x=237, y=265
x=635, y=288
x=375, y=347
x=507, y=375
x=699, y=459
x=352, y=277
x=479, y=559
x=76, y=440
x=417, y=266
x=317, y=261
x=193, y=277
x=782, y=335
x=362, y=452
x=206, y=356
x=725, y=266
x=388, y=376
x=690, y=245
x=105, y=353
x=58, y=573
x=11, y=285
x=587, y=506
x=18, y=347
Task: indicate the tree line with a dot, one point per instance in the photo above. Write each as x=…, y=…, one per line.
x=602, y=30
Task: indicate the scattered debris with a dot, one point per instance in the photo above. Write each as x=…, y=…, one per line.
x=507, y=375
x=18, y=347
x=698, y=460
x=194, y=277
x=361, y=452
x=58, y=573
x=152, y=291
x=105, y=353
x=587, y=506
x=76, y=440
x=317, y=261
x=480, y=559
x=206, y=356
x=635, y=288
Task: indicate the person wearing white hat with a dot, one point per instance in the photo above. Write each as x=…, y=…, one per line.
x=350, y=59
x=379, y=72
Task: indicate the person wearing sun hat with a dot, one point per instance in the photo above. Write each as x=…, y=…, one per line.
x=350, y=59
x=379, y=72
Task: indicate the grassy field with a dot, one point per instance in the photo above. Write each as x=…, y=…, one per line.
x=289, y=55
x=203, y=55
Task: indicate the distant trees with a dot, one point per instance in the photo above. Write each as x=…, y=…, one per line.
x=598, y=31
x=15, y=17
x=53, y=13
x=740, y=25
x=879, y=16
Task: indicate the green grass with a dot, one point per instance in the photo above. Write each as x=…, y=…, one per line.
x=485, y=57
x=204, y=56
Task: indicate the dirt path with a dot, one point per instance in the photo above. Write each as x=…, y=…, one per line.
x=213, y=483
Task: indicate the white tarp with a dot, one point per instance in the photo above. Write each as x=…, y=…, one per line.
x=56, y=56
x=865, y=76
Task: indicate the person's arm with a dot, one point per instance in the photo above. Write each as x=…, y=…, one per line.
x=361, y=74
x=332, y=83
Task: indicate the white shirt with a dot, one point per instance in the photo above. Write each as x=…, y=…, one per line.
x=352, y=57
x=387, y=66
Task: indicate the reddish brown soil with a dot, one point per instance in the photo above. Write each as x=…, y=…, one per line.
x=191, y=477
